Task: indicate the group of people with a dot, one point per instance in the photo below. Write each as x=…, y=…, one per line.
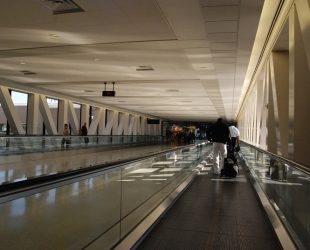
x=221, y=135
x=66, y=140
x=180, y=137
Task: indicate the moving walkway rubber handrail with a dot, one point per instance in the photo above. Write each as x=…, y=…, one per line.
x=9, y=189
x=302, y=168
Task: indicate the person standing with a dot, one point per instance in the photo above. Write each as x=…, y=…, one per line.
x=234, y=136
x=219, y=134
x=66, y=136
x=84, y=133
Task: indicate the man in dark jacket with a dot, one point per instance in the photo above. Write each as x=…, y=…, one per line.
x=219, y=133
x=84, y=133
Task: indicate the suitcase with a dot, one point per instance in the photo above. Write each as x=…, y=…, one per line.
x=229, y=168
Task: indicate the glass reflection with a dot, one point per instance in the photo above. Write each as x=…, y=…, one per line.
x=287, y=188
x=18, y=207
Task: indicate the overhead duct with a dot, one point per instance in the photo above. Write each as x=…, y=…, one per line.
x=61, y=6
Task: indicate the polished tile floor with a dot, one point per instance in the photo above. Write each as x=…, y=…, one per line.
x=19, y=167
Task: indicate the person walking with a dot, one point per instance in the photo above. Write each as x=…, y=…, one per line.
x=84, y=133
x=234, y=136
x=219, y=134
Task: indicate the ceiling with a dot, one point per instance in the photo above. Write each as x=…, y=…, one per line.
x=199, y=51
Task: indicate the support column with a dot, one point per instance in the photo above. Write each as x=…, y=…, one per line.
x=47, y=116
x=271, y=123
x=102, y=123
x=263, y=125
x=137, y=126
x=279, y=81
x=94, y=123
x=299, y=89
x=85, y=114
x=118, y=123
x=10, y=111
x=143, y=126
x=62, y=115
x=126, y=124
x=131, y=125
x=33, y=114
x=75, y=128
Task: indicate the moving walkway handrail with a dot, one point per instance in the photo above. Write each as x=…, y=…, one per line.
x=35, y=183
x=302, y=168
x=278, y=199
x=11, y=145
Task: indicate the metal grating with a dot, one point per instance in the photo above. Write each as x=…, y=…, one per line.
x=61, y=6
x=27, y=72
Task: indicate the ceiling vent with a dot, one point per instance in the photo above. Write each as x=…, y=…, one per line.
x=27, y=72
x=144, y=68
x=61, y=6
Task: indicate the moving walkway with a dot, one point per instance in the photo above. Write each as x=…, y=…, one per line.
x=139, y=205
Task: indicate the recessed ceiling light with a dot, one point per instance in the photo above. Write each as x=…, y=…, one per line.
x=22, y=63
x=144, y=68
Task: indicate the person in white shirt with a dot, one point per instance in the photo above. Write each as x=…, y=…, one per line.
x=234, y=135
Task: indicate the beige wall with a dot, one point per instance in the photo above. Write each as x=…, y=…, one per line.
x=275, y=115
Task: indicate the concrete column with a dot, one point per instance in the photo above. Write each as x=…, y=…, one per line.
x=259, y=110
x=47, y=116
x=143, y=126
x=94, y=123
x=85, y=114
x=33, y=114
x=271, y=123
x=303, y=10
x=137, y=126
x=131, y=124
x=299, y=89
x=263, y=127
x=75, y=127
x=102, y=121
x=279, y=82
x=117, y=124
x=110, y=120
x=126, y=124
x=10, y=111
x=62, y=115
